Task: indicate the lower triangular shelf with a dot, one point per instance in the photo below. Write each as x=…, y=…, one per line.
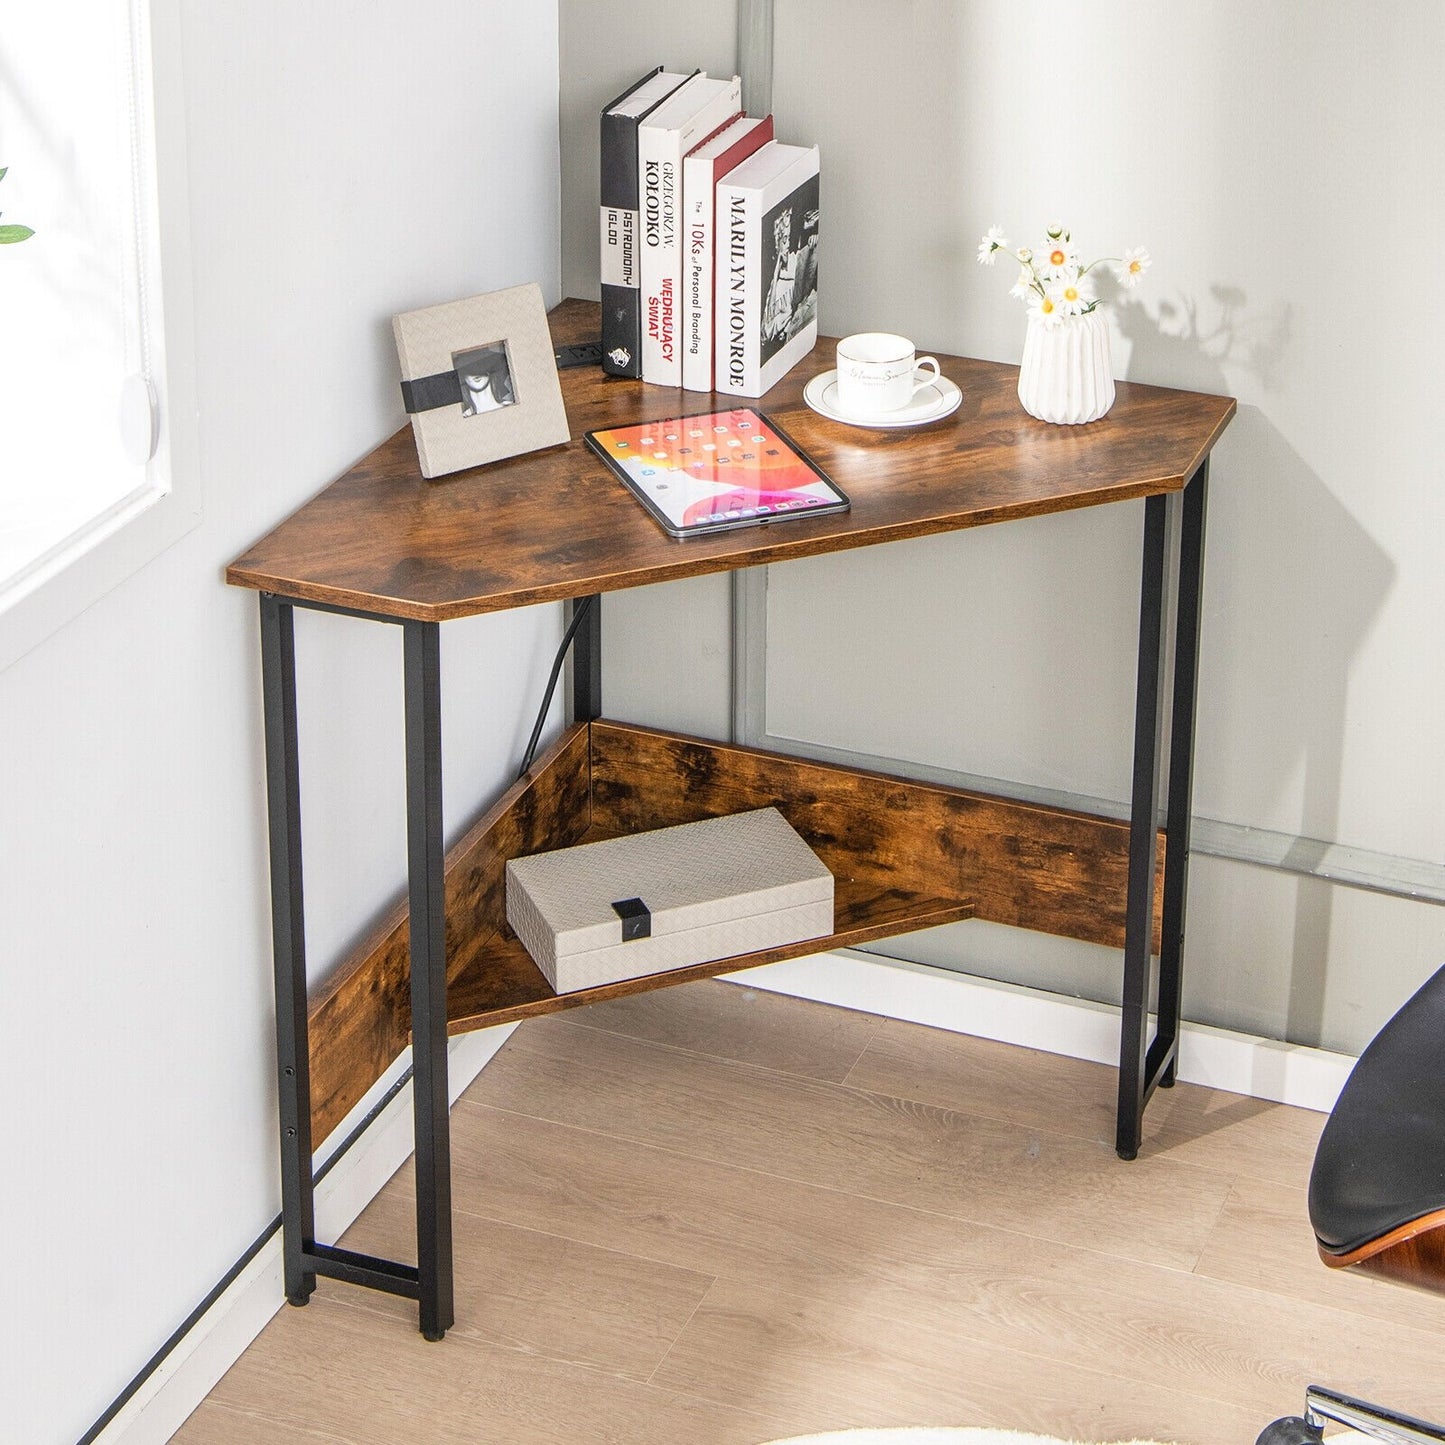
x=904, y=856
x=501, y=983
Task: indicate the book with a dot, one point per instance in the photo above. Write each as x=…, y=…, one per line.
x=702, y=168
x=766, y=315
x=621, y=282
x=664, y=135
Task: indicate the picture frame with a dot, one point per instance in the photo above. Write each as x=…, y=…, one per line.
x=479, y=379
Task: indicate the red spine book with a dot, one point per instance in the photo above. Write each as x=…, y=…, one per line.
x=701, y=170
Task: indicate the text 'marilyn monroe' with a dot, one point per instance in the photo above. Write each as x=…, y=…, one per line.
x=737, y=275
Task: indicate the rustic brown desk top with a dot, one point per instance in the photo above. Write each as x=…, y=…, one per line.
x=556, y=524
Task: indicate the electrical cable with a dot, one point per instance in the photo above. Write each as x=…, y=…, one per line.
x=557, y=661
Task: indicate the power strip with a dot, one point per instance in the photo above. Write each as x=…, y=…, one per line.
x=588, y=354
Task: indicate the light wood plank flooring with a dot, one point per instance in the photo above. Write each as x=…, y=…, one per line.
x=711, y=1214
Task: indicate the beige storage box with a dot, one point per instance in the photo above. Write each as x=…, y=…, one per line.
x=668, y=898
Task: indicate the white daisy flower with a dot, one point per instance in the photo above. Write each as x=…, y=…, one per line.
x=1057, y=258
x=1071, y=296
x=1135, y=264
x=1044, y=308
x=1052, y=280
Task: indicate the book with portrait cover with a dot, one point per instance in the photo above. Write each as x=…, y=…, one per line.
x=621, y=281
x=664, y=135
x=766, y=295
x=702, y=168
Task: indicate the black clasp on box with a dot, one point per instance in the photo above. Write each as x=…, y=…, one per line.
x=636, y=920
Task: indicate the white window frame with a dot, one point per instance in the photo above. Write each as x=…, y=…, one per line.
x=122, y=540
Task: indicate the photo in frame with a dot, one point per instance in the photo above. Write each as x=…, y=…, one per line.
x=479, y=379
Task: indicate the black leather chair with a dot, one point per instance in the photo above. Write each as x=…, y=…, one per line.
x=1377, y=1195
x=1377, y=1190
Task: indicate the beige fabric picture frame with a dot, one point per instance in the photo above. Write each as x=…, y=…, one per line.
x=479, y=379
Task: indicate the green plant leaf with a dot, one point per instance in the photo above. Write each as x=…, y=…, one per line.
x=3, y=170
x=10, y=234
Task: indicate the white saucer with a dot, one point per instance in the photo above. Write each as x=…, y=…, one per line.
x=930, y=403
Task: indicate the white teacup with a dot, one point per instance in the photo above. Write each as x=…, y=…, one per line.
x=878, y=372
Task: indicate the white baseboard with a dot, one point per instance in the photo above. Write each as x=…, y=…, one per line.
x=219, y=1338
x=1239, y=1063
x=915, y=993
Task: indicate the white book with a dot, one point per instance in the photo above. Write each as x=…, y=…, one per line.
x=766, y=310
x=690, y=114
x=702, y=168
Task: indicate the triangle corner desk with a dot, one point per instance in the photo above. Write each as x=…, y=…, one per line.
x=383, y=543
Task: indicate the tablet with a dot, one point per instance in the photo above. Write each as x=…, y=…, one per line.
x=716, y=471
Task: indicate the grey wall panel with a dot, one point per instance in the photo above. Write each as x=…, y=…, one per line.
x=1198, y=132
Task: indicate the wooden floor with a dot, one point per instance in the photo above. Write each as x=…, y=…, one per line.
x=710, y=1214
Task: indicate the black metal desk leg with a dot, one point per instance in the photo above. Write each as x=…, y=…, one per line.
x=1143, y=832
x=587, y=660
x=1145, y=1065
x=426, y=883
x=288, y=934
x=1188, y=598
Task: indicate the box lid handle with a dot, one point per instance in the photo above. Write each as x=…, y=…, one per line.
x=636, y=918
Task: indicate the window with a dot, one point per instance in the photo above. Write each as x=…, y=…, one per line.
x=85, y=456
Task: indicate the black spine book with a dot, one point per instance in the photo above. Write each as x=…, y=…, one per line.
x=621, y=285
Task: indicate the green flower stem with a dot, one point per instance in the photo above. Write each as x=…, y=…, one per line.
x=1035, y=284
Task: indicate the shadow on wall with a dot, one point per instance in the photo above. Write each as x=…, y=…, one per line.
x=1275, y=680
x=1189, y=344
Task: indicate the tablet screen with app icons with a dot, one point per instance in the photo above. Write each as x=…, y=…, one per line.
x=718, y=470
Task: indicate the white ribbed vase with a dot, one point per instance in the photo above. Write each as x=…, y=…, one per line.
x=1068, y=369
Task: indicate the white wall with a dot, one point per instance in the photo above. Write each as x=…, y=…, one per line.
x=652, y=636
x=1279, y=162
x=345, y=162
